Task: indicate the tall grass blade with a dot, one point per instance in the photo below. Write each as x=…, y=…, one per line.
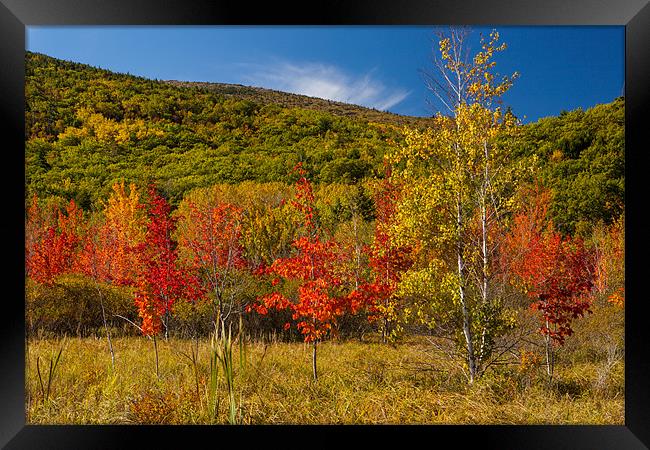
x=40, y=378
x=54, y=362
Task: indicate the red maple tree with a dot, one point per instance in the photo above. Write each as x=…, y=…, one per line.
x=317, y=307
x=160, y=281
x=554, y=271
x=211, y=235
x=52, y=240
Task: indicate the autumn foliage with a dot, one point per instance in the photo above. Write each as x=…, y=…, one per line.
x=52, y=237
x=387, y=262
x=211, y=237
x=109, y=250
x=200, y=252
x=555, y=271
x=317, y=307
x=160, y=281
x=609, y=261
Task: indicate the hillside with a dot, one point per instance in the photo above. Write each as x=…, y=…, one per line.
x=88, y=127
x=265, y=96
x=582, y=157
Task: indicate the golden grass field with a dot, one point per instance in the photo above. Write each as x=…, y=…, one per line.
x=359, y=383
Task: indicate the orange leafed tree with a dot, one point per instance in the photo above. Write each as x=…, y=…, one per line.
x=609, y=254
x=125, y=231
x=109, y=249
x=317, y=307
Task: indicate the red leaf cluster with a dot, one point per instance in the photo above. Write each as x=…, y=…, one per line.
x=556, y=272
x=316, y=309
x=161, y=281
x=304, y=199
x=52, y=240
x=212, y=234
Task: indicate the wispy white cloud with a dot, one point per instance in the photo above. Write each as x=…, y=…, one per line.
x=325, y=81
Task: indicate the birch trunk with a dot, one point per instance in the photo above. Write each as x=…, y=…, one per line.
x=467, y=331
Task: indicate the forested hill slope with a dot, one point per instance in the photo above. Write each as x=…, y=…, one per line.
x=582, y=159
x=87, y=128
x=265, y=96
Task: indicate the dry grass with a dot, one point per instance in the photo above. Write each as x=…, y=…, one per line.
x=358, y=383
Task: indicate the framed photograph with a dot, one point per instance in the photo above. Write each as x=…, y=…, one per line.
x=262, y=222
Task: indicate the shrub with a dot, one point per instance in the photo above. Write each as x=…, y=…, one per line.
x=71, y=306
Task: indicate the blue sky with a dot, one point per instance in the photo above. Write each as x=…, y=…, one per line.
x=561, y=68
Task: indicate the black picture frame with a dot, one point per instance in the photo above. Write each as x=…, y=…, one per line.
x=15, y=15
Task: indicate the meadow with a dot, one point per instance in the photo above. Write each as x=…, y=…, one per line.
x=359, y=383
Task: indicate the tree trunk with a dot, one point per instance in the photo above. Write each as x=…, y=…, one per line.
x=219, y=306
x=108, y=333
x=166, y=323
x=471, y=358
x=484, y=273
x=155, y=348
x=484, y=237
x=549, y=353
x=313, y=361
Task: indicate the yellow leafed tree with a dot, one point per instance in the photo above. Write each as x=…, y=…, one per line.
x=460, y=179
